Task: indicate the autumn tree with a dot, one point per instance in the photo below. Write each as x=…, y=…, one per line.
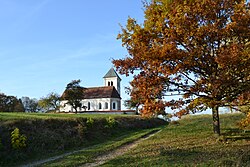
x=74, y=94
x=51, y=102
x=198, y=49
x=244, y=107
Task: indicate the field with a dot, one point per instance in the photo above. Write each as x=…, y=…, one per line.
x=188, y=142
x=48, y=135
x=18, y=116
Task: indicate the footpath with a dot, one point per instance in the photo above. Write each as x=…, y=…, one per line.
x=101, y=159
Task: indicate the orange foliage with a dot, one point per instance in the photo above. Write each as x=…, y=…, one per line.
x=200, y=49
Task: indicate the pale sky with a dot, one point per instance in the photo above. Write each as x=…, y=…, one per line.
x=44, y=44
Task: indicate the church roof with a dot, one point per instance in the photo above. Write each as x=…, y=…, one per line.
x=98, y=92
x=111, y=73
x=101, y=92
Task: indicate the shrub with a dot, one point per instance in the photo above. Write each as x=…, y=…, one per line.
x=89, y=122
x=81, y=130
x=110, y=122
x=18, y=141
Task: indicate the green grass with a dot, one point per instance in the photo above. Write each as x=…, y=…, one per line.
x=52, y=134
x=190, y=143
x=88, y=155
x=17, y=116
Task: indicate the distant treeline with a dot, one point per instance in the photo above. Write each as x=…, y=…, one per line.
x=25, y=104
x=10, y=104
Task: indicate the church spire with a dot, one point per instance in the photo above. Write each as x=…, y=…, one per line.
x=112, y=79
x=112, y=73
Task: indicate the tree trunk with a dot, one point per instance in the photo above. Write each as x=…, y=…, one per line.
x=75, y=109
x=216, y=120
x=136, y=110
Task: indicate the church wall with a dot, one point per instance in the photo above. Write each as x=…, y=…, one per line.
x=102, y=104
x=95, y=104
x=65, y=107
x=117, y=103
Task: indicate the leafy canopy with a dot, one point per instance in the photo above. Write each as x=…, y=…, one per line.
x=197, y=49
x=51, y=102
x=10, y=104
x=74, y=94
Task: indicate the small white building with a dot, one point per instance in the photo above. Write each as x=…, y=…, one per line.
x=105, y=98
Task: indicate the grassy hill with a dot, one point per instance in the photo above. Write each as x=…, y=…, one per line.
x=52, y=134
x=190, y=142
x=187, y=142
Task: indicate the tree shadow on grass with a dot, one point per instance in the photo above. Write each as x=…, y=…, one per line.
x=234, y=134
x=165, y=157
x=173, y=156
x=180, y=156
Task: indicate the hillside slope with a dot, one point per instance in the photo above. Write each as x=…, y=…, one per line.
x=49, y=135
x=190, y=142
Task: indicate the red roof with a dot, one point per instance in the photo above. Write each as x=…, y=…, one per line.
x=99, y=92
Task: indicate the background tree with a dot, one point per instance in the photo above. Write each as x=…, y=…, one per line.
x=51, y=102
x=199, y=49
x=3, y=101
x=132, y=103
x=74, y=94
x=10, y=104
x=19, y=106
x=30, y=105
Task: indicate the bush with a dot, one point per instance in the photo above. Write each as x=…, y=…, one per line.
x=81, y=130
x=89, y=122
x=110, y=122
x=18, y=141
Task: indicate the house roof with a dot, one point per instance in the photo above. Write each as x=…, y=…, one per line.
x=111, y=73
x=98, y=92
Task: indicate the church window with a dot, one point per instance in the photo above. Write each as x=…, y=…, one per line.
x=111, y=83
x=100, y=105
x=88, y=105
x=106, y=105
x=108, y=83
x=114, y=105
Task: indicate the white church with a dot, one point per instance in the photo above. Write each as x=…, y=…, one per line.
x=104, y=98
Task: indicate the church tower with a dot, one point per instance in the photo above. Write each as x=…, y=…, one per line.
x=113, y=79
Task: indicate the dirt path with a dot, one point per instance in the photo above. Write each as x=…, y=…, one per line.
x=33, y=164
x=102, y=158
x=118, y=151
